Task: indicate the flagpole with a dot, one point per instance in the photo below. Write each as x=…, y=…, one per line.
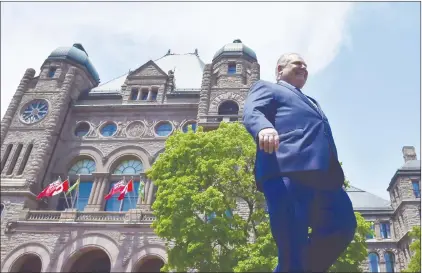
x=65, y=198
x=77, y=193
x=129, y=197
x=71, y=195
x=121, y=202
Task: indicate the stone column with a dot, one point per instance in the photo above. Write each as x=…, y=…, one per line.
x=377, y=229
x=97, y=192
x=255, y=73
x=150, y=193
x=14, y=104
x=102, y=192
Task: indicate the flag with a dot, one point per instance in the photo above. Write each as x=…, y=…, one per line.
x=74, y=186
x=127, y=188
x=54, y=188
x=117, y=188
x=141, y=190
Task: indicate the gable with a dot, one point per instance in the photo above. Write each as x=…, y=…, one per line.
x=147, y=70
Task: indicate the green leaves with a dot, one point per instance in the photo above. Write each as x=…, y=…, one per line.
x=415, y=247
x=203, y=174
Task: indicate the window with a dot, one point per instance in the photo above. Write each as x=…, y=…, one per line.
x=82, y=129
x=144, y=94
x=129, y=167
x=134, y=94
x=228, y=108
x=372, y=234
x=385, y=230
x=129, y=202
x=189, y=125
x=154, y=95
x=109, y=129
x=51, y=72
x=34, y=111
x=1, y=210
x=84, y=166
x=389, y=261
x=14, y=159
x=164, y=129
x=416, y=188
x=77, y=198
x=231, y=68
x=6, y=156
x=373, y=262
x=25, y=159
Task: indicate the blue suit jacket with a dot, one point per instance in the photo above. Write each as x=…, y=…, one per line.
x=306, y=140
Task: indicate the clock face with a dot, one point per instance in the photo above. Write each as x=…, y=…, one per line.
x=34, y=111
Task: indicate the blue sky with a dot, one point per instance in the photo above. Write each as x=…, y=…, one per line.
x=364, y=58
x=371, y=92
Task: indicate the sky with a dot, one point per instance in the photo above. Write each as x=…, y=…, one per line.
x=363, y=58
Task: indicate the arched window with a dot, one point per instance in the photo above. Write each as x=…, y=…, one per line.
x=124, y=172
x=373, y=262
x=228, y=107
x=109, y=129
x=389, y=261
x=129, y=167
x=1, y=210
x=191, y=125
x=81, y=173
x=84, y=166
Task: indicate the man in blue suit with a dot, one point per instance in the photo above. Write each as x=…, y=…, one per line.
x=298, y=171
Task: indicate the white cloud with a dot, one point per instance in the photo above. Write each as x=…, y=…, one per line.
x=120, y=36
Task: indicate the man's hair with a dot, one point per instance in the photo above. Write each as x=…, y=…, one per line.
x=283, y=61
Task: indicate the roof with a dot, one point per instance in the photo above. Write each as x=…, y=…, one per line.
x=234, y=49
x=410, y=167
x=363, y=200
x=77, y=54
x=188, y=69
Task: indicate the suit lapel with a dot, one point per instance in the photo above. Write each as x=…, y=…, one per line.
x=302, y=96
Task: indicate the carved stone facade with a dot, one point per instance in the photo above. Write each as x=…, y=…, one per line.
x=142, y=107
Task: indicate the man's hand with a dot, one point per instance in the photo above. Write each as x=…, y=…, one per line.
x=268, y=140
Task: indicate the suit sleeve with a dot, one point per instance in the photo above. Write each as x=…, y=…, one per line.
x=258, y=106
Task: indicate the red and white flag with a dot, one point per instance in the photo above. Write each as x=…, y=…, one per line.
x=128, y=188
x=117, y=188
x=54, y=188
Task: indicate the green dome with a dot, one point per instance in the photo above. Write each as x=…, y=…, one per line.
x=77, y=54
x=237, y=48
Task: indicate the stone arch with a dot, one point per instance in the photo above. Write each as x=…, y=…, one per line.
x=71, y=252
x=126, y=151
x=14, y=258
x=228, y=107
x=228, y=96
x=146, y=253
x=64, y=163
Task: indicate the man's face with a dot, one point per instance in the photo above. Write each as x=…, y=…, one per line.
x=295, y=72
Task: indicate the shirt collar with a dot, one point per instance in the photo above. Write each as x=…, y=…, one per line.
x=288, y=84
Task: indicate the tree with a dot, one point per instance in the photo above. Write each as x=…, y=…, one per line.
x=202, y=179
x=415, y=246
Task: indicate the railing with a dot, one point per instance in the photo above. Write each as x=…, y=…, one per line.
x=43, y=215
x=131, y=216
x=100, y=216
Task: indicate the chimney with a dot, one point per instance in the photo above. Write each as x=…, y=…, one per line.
x=409, y=153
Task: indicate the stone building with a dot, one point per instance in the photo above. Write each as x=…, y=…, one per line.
x=62, y=123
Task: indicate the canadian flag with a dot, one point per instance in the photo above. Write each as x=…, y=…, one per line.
x=117, y=188
x=54, y=189
x=128, y=188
